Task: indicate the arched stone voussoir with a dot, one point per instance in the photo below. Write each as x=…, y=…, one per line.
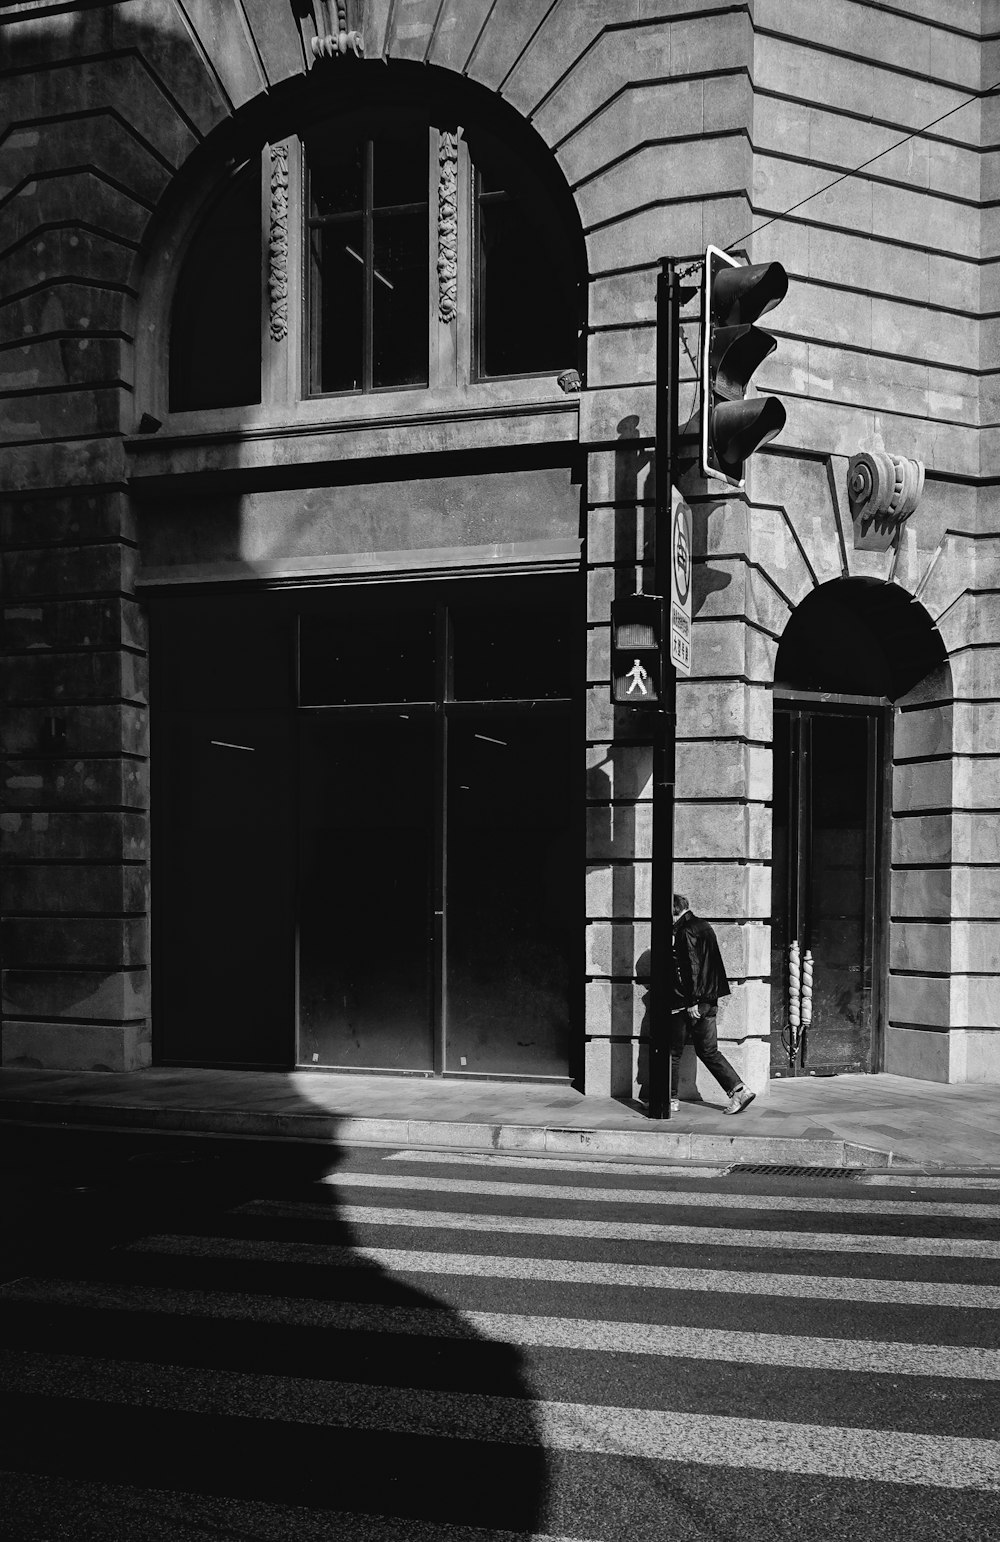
x=799, y=486
x=768, y=607
x=961, y=624
x=776, y=550
x=220, y=34
x=951, y=570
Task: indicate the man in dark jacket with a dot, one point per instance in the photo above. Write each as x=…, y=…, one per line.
x=700, y=977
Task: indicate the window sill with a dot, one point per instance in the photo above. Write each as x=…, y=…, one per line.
x=493, y=415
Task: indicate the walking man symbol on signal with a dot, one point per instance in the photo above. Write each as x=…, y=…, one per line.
x=637, y=677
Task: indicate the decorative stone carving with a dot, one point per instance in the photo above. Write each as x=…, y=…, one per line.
x=277, y=281
x=338, y=29
x=447, y=261
x=883, y=491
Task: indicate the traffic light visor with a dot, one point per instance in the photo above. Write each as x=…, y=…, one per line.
x=735, y=354
x=739, y=428
x=741, y=294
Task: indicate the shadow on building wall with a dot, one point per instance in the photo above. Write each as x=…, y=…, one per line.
x=619, y=788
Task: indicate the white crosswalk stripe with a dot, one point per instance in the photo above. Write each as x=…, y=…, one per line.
x=775, y=1445
x=577, y=1333
x=574, y=1272
x=483, y=1305
x=675, y=1198
x=645, y=1231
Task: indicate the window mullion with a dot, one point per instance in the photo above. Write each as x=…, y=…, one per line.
x=369, y=255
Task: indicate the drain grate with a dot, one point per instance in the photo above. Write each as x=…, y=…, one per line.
x=791, y=1170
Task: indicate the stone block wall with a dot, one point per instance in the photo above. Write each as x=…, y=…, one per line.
x=674, y=125
x=944, y=958
x=74, y=828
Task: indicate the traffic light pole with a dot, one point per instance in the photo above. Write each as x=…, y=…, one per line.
x=665, y=726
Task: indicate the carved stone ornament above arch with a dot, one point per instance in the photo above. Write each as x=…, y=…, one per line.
x=883, y=491
x=338, y=27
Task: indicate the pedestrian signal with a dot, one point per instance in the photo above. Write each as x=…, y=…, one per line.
x=732, y=426
x=637, y=633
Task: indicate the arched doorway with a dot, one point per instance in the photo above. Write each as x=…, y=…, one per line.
x=850, y=651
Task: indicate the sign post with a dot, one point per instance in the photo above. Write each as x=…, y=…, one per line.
x=664, y=730
x=680, y=586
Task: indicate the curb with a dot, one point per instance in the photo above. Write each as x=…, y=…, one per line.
x=351, y=1129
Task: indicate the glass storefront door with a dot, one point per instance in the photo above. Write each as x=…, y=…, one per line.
x=365, y=887
x=397, y=840
x=510, y=907
x=825, y=875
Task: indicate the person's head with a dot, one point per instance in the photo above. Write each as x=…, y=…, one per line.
x=680, y=905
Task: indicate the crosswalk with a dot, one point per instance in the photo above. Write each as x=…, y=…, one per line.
x=423, y=1345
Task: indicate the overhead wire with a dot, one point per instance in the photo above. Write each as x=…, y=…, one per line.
x=738, y=241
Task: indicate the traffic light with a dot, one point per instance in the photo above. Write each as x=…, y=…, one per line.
x=637, y=651
x=732, y=427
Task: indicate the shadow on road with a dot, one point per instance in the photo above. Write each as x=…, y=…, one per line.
x=200, y=1337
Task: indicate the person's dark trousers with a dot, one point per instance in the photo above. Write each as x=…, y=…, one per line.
x=703, y=1035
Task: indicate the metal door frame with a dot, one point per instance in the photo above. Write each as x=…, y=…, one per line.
x=802, y=708
x=443, y=709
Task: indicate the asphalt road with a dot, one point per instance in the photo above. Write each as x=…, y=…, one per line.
x=248, y=1340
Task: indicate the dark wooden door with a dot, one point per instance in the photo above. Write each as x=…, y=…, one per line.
x=825, y=887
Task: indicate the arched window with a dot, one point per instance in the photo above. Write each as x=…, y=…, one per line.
x=526, y=290
x=425, y=239
x=369, y=253
x=216, y=317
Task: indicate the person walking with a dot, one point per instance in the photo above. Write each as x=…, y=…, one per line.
x=700, y=979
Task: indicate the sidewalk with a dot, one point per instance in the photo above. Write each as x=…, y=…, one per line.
x=868, y=1121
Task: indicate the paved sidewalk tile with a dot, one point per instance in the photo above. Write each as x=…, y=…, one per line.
x=924, y=1123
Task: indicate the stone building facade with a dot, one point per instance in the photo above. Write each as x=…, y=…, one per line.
x=304, y=518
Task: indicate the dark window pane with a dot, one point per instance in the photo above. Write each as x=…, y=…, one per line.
x=227, y=651
x=526, y=299
x=526, y=280
x=365, y=877
x=215, y=325
x=369, y=326
x=400, y=165
x=399, y=300
x=337, y=293
x=337, y=177
x=367, y=658
x=510, y=654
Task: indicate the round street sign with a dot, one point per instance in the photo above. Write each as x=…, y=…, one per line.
x=680, y=554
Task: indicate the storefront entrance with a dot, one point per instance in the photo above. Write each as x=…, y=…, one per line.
x=848, y=659
x=365, y=828
x=825, y=883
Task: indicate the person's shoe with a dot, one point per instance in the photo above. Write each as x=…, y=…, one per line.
x=740, y=1099
x=675, y=1105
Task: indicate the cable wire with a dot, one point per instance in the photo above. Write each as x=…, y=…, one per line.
x=976, y=96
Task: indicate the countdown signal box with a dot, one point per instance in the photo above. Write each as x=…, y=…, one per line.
x=637, y=635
